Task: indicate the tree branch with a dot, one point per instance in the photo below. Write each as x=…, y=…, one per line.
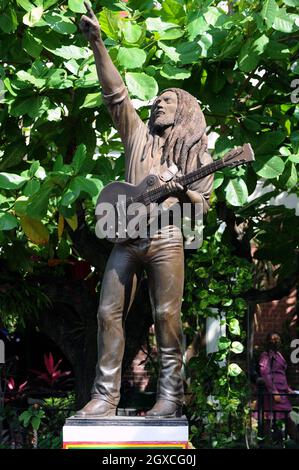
x=275, y=293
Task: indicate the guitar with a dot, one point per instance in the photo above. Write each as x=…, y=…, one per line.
x=119, y=202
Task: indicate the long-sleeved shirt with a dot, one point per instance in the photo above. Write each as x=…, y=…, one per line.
x=134, y=133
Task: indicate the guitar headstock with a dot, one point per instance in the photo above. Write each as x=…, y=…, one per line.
x=238, y=156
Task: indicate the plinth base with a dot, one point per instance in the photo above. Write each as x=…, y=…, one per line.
x=125, y=432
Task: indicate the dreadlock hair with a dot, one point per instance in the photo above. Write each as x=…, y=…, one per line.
x=187, y=140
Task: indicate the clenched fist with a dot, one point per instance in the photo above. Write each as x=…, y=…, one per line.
x=89, y=24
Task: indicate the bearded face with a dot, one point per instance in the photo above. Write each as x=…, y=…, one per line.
x=165, y=110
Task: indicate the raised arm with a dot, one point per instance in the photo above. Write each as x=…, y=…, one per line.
x=108, y=74
x=114, y=91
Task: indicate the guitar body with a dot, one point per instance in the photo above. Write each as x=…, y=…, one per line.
x=117, y=208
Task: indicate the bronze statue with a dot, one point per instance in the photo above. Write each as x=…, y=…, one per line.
x=176, y=135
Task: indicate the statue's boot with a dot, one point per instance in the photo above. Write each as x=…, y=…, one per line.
x=97, y=407
x=165, y=409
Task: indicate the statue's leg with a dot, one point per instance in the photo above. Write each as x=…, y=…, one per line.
x=118, y=289
x=165, y=270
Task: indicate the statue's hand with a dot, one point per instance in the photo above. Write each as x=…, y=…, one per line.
x=89, y=24
x=174, y=186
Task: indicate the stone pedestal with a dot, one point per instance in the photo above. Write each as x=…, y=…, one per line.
x=125, y=432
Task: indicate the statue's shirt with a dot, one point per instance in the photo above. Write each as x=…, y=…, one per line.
x=134, y=133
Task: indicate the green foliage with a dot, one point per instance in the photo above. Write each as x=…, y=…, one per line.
x=215, y=282
x=32, y=417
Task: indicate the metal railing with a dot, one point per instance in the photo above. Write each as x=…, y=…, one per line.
x=269, y=414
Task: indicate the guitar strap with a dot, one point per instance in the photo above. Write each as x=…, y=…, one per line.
x=168, y=174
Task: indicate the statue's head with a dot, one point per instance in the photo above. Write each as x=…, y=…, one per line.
x=176, y=109
x=164, y=109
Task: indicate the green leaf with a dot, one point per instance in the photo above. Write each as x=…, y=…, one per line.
x=79, y=157
x=234, y=327
x=77, y=6
x=34, y=167
x=40, y=173
x=250, y=52
x=20, y=205
x=25, y=417
x=64, y=249
x=269, y=12
x=70, y=52
x=173, y=9
x=8, y=21
x=295, y=141
x=205, y=43
x=72, y=66
x=141, y=85
x=34, y=106
x=132, y=32
x=212, y=16
x=198, y=26
x=13, y=154
x=27, y=77
x=33, y=16
x=11, y=181
x=35, y=422
x=31, y=187
x=189, y=52
x=237, y=347
x=289, y=177
x=156, y=24
x=80, y=183
x=267, y=166
x=109, y=22
x=131, y=58
x=269, y=141
x=69, y=197
x=234, y=370
x=218, y=180
x=38, y=204
x=223, y=343
x=25, y=4
x=57, y=78
x=236, y=192
x=291, y=3
x=59, y=23
x=283, y=22
x=170, y=51
x=48, y=3
x=32, y=45
x=92, y=100
x=170, y=34
x=7, y=221
x=174, y=73
x=294, y=158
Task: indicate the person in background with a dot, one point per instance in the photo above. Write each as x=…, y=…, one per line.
x=272, y=367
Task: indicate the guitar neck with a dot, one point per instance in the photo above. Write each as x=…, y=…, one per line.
x=155, y=194
x=201, y=172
